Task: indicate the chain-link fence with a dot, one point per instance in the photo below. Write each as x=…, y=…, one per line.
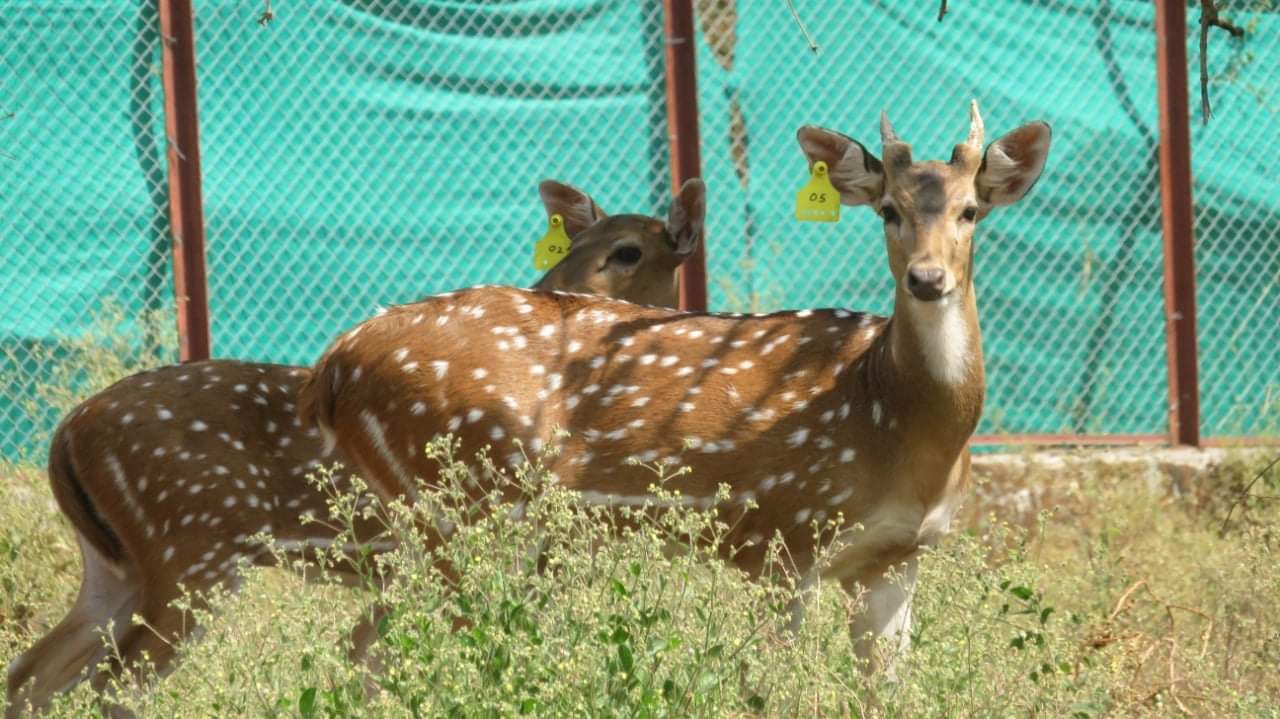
x=1236, y=165
x=361, y=154
x=366, y=153
x=84, y=231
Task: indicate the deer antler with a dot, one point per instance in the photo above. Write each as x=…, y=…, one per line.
x=887, y=135
x=976, y=129
x=897, y=154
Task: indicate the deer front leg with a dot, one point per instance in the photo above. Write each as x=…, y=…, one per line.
x=885, y=613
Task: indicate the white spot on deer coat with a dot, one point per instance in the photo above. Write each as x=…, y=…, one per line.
x=798, y=437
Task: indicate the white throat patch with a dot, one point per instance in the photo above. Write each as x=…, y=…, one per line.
x=944, y=339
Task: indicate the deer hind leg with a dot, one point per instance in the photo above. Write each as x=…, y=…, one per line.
x=886, y=614
x=153, y=643
x=70, y=652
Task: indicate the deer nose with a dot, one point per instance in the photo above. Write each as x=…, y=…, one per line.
x=925, y=283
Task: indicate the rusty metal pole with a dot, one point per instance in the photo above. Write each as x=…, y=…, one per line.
x=186, y=210
x=682, y=127
x=1176, y=204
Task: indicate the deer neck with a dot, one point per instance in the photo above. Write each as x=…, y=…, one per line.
x=930, y=369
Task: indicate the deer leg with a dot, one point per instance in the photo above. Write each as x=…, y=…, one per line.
x=70, y=652
x=805, y=591
x=886, y=614
x=154, y=643
x=363, y=635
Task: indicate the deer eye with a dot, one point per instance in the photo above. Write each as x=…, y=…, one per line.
x=625, y=255
x=969, y=214
x=890, y=214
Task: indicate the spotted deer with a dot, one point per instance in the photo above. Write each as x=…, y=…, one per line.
x=166, y=476
x=827, y=416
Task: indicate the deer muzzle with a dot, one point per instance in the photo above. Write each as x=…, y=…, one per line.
x=926, y=282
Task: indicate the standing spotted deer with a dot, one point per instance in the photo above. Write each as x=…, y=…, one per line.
x=814, y=415
x=166, y=476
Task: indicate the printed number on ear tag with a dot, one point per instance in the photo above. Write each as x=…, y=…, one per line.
x=818, y=200
x=552, y=247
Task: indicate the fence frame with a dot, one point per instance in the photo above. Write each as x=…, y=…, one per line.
x=684, y=134
x=186, y=206
x=1178, y=221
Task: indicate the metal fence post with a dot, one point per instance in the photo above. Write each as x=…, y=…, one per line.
x=186, y=211
x=1176, y=204
x=682, y=127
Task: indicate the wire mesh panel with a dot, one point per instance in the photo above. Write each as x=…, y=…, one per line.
x=366, y=153
x=1236, y=165
x=1069, y=279
x=85, y=281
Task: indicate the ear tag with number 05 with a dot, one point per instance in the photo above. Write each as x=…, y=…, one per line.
x=818, y=200
x=552, y=247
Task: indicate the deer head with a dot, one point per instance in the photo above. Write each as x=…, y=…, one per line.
x=930, y=208
x=628, y=256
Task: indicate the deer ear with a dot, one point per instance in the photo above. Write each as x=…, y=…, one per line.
x=687, y=215
x=575, y=206
x=856, y=173
x=1012, y=164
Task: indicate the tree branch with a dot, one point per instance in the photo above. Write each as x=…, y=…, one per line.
x=813, y=46
x=1244, y=494
x=267, y=14
x=1208, y=18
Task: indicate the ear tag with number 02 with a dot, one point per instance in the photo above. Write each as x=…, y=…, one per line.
x=552, y=247
x=818, y=200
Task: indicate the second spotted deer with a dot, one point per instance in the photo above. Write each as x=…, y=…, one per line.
x=813, y=415
x=167, y=476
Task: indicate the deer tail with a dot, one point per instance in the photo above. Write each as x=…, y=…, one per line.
x=74, y=500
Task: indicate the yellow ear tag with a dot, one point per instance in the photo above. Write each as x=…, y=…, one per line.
x=818, y=200
x=553, y=246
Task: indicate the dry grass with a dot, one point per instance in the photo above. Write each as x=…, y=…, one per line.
x=1127, y=598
